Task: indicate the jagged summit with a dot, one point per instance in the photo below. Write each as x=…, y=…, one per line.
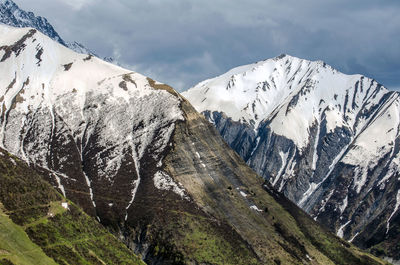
x=253, y=92
x=12, y=15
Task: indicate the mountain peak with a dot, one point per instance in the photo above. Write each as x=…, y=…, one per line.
x=12, y=15
x=251, y=92
x=281, y=56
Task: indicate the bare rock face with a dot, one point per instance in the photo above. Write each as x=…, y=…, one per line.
x=136, y=156
x=326, y=140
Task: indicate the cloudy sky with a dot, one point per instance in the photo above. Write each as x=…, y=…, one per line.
x=182, y=42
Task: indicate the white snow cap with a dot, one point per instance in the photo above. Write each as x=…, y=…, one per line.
x=47, y=85
x=292, y=92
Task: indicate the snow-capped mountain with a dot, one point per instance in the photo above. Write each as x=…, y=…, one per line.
x=136, y=155
x=70, y=114
x=328, y=141
x=12, y=15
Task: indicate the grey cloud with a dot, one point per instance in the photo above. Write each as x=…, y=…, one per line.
x=182, y=42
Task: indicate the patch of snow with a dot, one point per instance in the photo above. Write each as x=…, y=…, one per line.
x=396, y=208
x=163, y=181
x=243, y=194
x=255, y=208
x=13, y=161
x=341, y=229
x=313, y=186
x=289, y=173
x=324, y=202
x=352, y=239
x=159, y=164
x=89, y=184
x=392, y=261
x=315, y=154
x=201, y=162
x=284, y=156
x=60, y=186
x=256, y=146
x=343, y=206
x=135, y=182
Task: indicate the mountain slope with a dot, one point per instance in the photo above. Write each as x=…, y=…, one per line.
x=328, y=141
x=135, y=155
x=12, y=15
x=39, y=226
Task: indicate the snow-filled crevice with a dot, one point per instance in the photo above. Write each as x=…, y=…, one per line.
x=324, y=202
x=135, y=183
x=288, y=172
x=314, y=186
x=59, y=185
x=341, y=229
x=396, y=208
x=284, y=157
x=316, y=142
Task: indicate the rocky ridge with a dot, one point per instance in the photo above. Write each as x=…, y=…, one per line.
x=12, y=15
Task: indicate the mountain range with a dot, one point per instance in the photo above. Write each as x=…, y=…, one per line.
x=328, y=141
x=135, y=172
x=136, y=156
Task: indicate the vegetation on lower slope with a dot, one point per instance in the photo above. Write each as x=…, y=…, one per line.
x=65, y=235
x=185, y=238
x=338, y=250
x=16, y=247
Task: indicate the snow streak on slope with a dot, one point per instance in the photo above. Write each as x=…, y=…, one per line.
x=110, y=117
x=396, y=208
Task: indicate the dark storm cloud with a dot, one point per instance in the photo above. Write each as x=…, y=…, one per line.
x=183, y=42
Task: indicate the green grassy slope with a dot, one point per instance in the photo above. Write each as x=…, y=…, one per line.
x=35, y=227
x=15, y=245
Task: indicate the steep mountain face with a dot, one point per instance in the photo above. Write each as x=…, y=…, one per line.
x=328, y=141
x=135, y=155
x=12, y=15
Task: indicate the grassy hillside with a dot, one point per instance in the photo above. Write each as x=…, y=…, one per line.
x=15, y=245
x=36, y=228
